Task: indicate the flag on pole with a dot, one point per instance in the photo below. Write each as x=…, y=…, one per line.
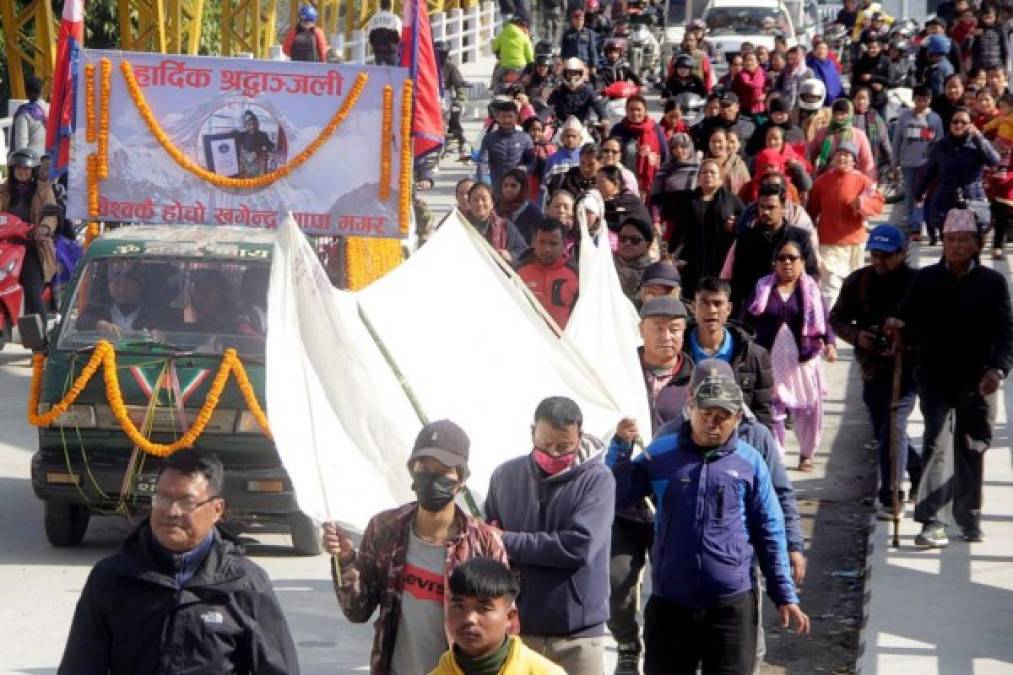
x=418, y=55
x=60, y=124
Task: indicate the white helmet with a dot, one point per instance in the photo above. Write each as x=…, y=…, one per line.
x=573, y=63
x=815, y=91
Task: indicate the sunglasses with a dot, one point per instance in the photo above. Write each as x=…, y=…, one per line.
x=631, y=240
x=609, y=151
x=788, y=258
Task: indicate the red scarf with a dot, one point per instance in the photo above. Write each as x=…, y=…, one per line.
x=647, y=162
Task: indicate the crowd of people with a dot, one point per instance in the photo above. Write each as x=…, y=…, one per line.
x=740, y=236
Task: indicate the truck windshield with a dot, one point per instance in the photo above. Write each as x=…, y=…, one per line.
x=746, y=21
x=202, y=306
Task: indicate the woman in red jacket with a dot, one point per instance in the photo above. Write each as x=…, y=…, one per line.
x=750, y=84
x=305, y=41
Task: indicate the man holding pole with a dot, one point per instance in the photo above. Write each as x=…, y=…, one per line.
x=867, y=298
x=407, y=555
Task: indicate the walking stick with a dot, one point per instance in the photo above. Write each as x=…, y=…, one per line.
x=896, y=437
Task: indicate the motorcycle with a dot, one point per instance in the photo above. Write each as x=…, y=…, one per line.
x=839, y=40
x=615, y=100
x=14, y=238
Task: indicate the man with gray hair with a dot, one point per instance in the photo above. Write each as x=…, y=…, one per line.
x=716, y=510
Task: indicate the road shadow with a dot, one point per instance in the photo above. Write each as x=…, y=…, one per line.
x=835, y=522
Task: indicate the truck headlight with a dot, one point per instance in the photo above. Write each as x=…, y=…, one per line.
x=81, y=416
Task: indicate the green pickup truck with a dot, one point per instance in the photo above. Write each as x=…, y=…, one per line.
x=171, y=300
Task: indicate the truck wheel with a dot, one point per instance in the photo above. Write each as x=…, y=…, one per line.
x=65, y=523
x=306, y=534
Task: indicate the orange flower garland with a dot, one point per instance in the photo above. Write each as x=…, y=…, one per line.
x=369, y=258
x=242, y=183
x=386, y=131
x=89, y=103
x=92, y=180
x=105, y=356
x=407, y=159
x=103, y=119
x=91, y=234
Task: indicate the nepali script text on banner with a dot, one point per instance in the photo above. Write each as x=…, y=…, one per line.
x=242, y=119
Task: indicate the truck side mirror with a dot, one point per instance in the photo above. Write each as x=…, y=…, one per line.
x=33, y=332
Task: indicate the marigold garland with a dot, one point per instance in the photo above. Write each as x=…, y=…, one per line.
x=105, y=356
x=242, y=183
x=89, y=103
x=386, y=131
x=91, y=234
x=105, y=87
x=369, y=258
x=91, y=165
x=407, y=159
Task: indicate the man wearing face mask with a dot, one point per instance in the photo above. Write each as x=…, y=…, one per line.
x=425, y=541
x=556, y=506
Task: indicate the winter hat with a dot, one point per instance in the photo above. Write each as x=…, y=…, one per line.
x=643, y=227
x=573, y=123
x=937, y=44
x=661, y=273
x=848, y=147
x=960, y=220
x=778, y=105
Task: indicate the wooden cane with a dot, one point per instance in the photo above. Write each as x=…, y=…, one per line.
x=896, y=437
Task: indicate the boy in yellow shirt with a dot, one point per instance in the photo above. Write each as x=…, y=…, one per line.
x=479, y=618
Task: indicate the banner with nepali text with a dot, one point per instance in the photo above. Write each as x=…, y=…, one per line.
x=226, y=141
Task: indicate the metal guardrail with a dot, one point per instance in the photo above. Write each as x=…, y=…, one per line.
x=469, y=32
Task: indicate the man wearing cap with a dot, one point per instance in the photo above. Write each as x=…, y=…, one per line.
x=762, y=439
x=666, y=372
x=839, y=202
x=503, y=148
x=556, y=505
x=634, y=254
x=957, y=315
x=730, y=119
x=660, y=279
x=868, y=297
x=579, y=41
x=716, y=510
x=566, y=157
x=779, y=108
x=407, y=555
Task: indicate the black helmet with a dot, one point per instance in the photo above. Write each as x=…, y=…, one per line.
x=684, y=61
x=441, y=47
x=519, y=20
x=615, y=43
x=544, y=60
x=544, y=48
x=24, y=158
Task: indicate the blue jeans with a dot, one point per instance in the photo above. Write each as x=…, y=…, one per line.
x=910, y=177
x=877, y=394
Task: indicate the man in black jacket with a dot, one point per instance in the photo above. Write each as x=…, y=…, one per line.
x=711, y=337
x=868, y=297
x=179, y=596
x=957, y=314
x=753, y=250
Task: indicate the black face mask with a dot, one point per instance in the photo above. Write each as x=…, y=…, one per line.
x=434, y=491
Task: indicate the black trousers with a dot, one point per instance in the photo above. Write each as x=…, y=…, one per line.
x=1000, y=221
x=722, y=637
x=33, y=283
x=631, y=542
x=958, y=431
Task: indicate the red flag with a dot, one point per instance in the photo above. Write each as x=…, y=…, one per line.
x=418, y=55
x=60, y=124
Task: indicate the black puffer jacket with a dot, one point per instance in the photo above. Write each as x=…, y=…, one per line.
x=134, y=618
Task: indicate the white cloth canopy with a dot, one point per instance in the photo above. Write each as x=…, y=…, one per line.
x=469, y=345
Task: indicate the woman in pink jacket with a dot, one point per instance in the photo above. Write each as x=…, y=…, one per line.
x=826, y=141
x=750, y=85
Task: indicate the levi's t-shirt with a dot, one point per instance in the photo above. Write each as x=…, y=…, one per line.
x=421, y=638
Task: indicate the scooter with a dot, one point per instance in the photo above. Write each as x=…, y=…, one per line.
x=13, y=243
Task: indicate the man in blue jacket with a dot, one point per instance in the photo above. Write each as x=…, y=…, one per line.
x=579, y=41
x=555, y=506
x=716, y=510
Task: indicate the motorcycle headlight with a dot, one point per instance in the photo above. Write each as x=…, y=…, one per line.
x=7, y=269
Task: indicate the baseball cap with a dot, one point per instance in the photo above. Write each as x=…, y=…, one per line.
x=444, y=441
x=729, y=98
x=885, y=238
x=713, y=385
x=661, y=273
x=665, y=305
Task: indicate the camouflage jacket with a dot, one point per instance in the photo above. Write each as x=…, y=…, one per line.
x=375, y=577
